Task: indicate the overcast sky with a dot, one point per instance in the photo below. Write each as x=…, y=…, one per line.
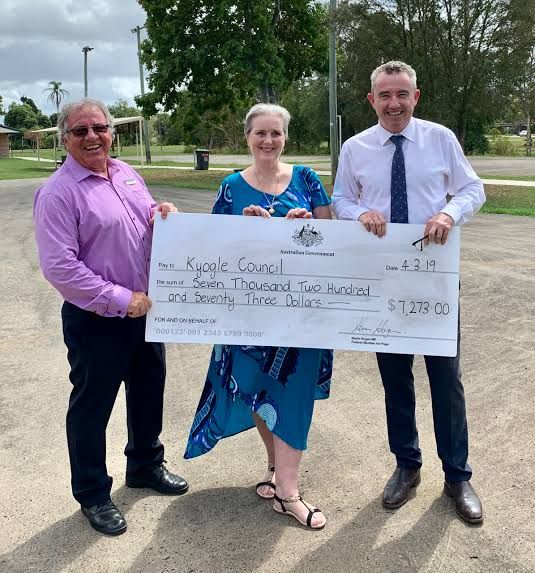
x=42, y=40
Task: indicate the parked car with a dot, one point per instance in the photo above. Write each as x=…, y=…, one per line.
x=523, y=133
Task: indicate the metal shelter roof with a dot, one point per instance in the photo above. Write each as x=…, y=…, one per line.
x=116, y=121
x=4, y=129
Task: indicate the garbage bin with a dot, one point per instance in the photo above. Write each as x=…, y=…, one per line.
x=202, y=159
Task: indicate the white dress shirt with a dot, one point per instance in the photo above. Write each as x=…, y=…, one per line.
x=435, y=167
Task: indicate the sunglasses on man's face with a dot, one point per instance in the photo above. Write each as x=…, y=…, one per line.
x=82, y=131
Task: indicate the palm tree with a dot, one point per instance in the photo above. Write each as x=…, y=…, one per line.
x=57, y=93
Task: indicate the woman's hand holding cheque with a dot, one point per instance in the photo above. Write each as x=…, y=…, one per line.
x=257, y=211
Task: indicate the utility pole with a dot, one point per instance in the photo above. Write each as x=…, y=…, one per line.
x=528, y=135
x=136, y=30
x=85, y=49
x=333, y=123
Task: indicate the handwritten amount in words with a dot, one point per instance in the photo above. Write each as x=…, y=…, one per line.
x=274, y=289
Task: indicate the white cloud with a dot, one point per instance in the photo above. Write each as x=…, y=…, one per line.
x=124, y=87
x=42, y=41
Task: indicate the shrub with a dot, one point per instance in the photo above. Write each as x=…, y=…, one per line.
x=499, y=144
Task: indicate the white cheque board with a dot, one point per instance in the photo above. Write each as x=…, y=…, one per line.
x=227, y=279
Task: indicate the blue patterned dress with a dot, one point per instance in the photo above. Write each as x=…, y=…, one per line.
x=278, y=384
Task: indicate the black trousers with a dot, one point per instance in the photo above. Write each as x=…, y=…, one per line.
x=102, y=353
x=449, y=412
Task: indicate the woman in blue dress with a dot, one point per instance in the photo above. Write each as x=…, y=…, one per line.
x=272, y=388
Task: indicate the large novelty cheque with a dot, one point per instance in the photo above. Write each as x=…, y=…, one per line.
x=306, y=283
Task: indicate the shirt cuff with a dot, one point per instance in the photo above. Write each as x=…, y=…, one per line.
x=453, y=211
x=360, y=211
x=119, y=302
x=349, y=212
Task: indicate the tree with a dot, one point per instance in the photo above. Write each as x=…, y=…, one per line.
x=128, y=131
x=2, y=112
x=308, y=103
x=20, y=116
x=42, y=120
x=57, y=93
x=479, y=47
x=467, y=52
x=121, y=109
x=230, y=54
x=525, y=94
x=24, y=117
x=367, y=38
x=209, y=128
x=29, y=101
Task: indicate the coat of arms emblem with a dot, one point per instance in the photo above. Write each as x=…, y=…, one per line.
x=307, y=236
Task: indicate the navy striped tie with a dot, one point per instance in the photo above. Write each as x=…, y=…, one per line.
x=399, y=211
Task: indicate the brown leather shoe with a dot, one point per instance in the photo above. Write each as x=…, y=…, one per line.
x=467, y=502
x=397, y=488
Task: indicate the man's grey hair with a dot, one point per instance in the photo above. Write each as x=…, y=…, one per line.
x=267, y=109
x=71, y=107
x=394, y=67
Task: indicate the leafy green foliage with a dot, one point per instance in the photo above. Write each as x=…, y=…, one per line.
x=306, y=100
x=308, y=103
x=367, y=37
x=468, y=54
x=127, y=133
x=499, y=144
x=29, y=101
x=164, y=131
x=121, y=109
x=475, y=141
x=23, y=116
x=229, y=54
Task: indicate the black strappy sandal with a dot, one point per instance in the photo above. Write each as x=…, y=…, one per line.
x=294, y=499
x=268, y=483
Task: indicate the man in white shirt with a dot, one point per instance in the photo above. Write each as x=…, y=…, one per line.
x=402, y=170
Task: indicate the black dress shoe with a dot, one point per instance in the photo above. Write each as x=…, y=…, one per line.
x=467, y=502
x=158, y=478
x=397, y=488
x=105, y=518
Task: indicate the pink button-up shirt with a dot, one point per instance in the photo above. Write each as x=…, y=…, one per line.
x=93, y=235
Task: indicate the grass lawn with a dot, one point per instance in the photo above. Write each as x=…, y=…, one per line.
x=510, y=177
x=214, y=165
x=180, y=164
x=196, y=179
x=20, y=169
x=509, y=200
x=129, y=150
x=183, y=179
x=500, y=199
x=125, y=150
x=156, y=150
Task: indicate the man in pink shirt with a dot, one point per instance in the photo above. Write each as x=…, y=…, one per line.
x=93, y=226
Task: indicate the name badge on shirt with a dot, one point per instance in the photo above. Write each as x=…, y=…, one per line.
x=130, y=181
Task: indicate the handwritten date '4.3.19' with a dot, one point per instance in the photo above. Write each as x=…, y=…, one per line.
x=415, y=265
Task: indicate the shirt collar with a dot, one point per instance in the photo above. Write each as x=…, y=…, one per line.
x=80, y=172
x=384, y=135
